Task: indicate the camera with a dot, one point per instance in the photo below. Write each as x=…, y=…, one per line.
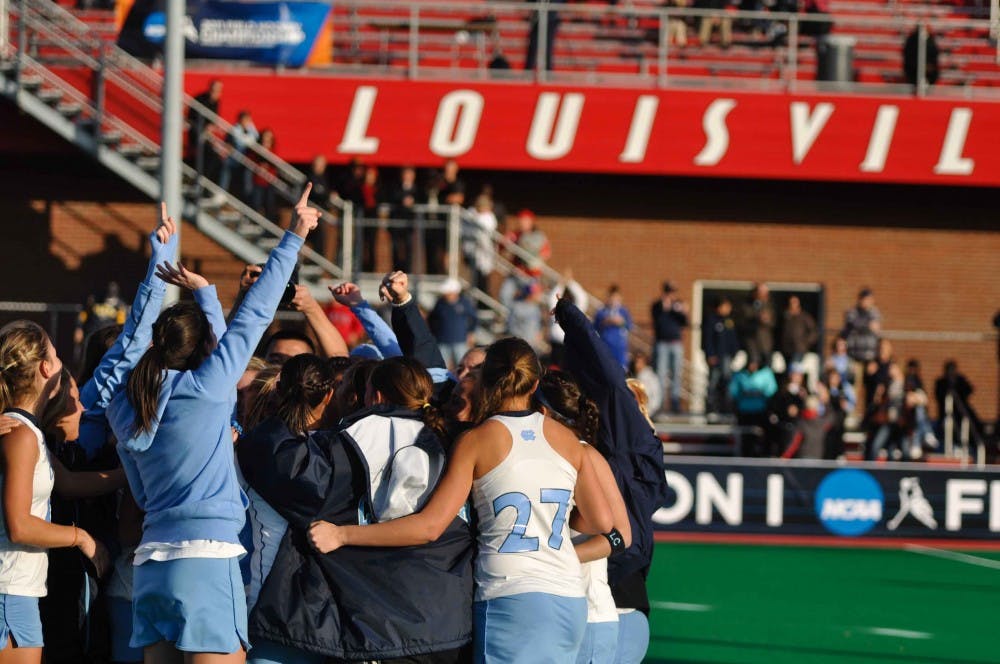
x=289, y=294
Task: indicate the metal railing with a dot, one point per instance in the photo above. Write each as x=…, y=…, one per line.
x=438, y=38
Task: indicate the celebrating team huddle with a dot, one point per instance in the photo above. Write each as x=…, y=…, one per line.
x=350, y=508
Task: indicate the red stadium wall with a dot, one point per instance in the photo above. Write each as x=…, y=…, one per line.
x=525, y=127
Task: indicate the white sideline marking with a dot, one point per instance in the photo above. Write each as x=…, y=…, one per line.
x=899, y=633
x=681, y=606
x=953, y=555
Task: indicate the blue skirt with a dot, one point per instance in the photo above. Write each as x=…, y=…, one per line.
x=529, y=628
x=197, y=604
x=20, y=620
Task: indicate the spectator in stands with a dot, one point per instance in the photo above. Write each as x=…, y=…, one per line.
x=453, y=322
x=198, y=125
x=676, y=25
x=95, y=315
x=613, y=323
x=798, y=331
x=240, y=138
x=571, y=290
x=445, y=188
x=528, y=237
x=862, y=325
x=321, y=194
x=916, y=403
x=477, y=242
x=837, y=399
x=720, y=345
x=811, y=432
x=886, y=422
x=751, y=389
x=650, y=381
x=348, y=184
x=785, y=409
x=955, y=384
x=265, y=174
x=708, y=23
x=819, y=9
x=758, y=323
x=551, y=26
x=403, y=198
x=525, y=317
x=911, y=57
x=371, y=199
x=670, y=316
x=839, y=360
x=877, y=371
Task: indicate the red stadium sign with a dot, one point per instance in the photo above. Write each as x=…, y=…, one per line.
x=510, y=126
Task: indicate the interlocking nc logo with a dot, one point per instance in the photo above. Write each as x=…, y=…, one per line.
x=528, y=435
x=913, y=502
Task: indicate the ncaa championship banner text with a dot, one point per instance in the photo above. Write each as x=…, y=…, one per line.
x=816, y=498
x=522, y=126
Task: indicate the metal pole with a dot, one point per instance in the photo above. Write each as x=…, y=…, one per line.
x=453, y=241
x=662, y=51
x=541, y=62
x=921, y=60
x=99, y=91
x=793, y=52
x=347, y=240
x=4, y=28
x=172, y=122
x=22, y=42
x=414, y=40
x=949, y=425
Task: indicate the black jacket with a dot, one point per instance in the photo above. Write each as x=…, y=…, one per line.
x=633, y=451
x=354, y=603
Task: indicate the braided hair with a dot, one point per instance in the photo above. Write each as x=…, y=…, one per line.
x=567, y=403
x=306, y=381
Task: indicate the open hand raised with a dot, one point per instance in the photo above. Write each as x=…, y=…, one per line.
x=180, y=276
x=306, y=218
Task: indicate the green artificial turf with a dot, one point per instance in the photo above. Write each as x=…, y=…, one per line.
x=783, y=604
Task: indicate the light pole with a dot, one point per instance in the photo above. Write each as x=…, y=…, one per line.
x=172, y=121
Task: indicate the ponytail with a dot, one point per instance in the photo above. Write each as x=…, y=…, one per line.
x=305, y=382
x=567, y=403
x=24, y=345
x=510, y=369
x=182, y=339
x=404, y=382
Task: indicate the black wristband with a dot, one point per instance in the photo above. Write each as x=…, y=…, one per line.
x=616, y=541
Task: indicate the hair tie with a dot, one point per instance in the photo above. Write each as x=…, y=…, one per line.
x=427, y=405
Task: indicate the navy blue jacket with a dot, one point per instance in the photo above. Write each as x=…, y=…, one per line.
x=626, y=439
x=718, y=336
x=452, y=322
x=356, y=603
x=415, y=338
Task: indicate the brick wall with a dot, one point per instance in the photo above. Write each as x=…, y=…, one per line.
x=934, y=280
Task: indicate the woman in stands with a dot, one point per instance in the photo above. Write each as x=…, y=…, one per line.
x=382, y=464
x=560, y=398
x=175, y=441
x=30, y=378
x=524, y=472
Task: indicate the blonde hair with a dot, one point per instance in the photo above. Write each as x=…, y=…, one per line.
x=641, y=398
x=24, y=345
x=262, y=400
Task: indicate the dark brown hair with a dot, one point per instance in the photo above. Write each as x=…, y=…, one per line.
x=305, y=381
x=349, y=396
x=182, y=339
x=404, y=382
x=95, y=346
x=510, y=369
x=58, y=405
x=568, y=404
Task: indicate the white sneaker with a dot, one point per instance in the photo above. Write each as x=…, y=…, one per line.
x=931, y=441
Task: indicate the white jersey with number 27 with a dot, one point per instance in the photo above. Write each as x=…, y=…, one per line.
x=523, y=507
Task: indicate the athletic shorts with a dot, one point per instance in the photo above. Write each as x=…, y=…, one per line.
x=600, y=643
x=197, y=604
x=529, y=628
x=633, y=637
x=20, y=620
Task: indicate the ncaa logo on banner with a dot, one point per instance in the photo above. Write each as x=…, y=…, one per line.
x=849, y=502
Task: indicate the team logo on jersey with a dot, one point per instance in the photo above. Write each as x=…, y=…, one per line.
x=528, y=435
x=913, y=502
x=849, y=502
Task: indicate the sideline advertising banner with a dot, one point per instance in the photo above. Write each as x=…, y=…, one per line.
x=528, y=127
x=271, y=33
x=816, y=498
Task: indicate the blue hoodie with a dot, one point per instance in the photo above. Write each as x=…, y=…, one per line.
x=182, y=472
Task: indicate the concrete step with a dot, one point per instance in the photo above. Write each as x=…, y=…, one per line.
x=69, y=109
x=148, y=163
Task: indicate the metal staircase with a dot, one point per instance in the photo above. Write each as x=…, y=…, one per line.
x=107, y=103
